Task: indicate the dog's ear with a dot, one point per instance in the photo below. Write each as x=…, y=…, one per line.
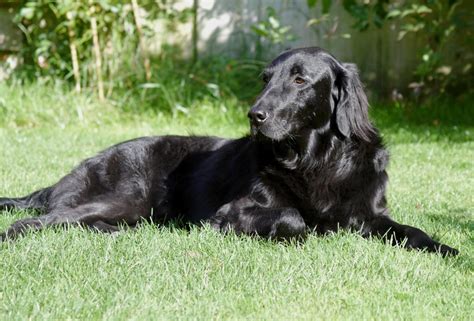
x=350, y=115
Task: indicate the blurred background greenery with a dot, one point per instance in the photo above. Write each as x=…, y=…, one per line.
x=167, y=55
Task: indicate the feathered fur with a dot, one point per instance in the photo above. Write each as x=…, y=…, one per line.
x=314, y=162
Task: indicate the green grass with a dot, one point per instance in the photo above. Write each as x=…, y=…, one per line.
x=169, y=273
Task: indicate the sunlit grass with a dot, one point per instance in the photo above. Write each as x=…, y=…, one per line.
x=169, y=273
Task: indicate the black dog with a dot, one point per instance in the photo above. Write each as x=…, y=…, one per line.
x=313, y=162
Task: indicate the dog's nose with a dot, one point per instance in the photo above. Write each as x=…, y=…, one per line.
x=257, y=116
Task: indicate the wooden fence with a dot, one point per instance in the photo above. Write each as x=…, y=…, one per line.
x=224, y=28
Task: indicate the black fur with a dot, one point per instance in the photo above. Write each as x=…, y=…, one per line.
x=313, y=162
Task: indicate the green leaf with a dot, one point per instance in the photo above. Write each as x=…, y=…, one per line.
x=378, y=22
x=313, y=21
x=271, y=11
x=394, y=13
x=27, y=13
x=448, y=31
x=407, y=12
x=423, y=9
x=311, y=3
x=260, y=31
x=401, y=34
x=274, y=22
x=214, y=90
x=326, y=5
x=149, y=85
x=414, y=27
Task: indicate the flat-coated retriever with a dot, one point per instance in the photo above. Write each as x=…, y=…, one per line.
x=313, y=162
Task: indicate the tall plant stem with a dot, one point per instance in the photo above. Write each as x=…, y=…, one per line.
x=146, y=59
x=73, y=49
x=97, y=53
x=195, y=30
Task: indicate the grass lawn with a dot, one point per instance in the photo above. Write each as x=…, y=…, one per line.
x=168, y=273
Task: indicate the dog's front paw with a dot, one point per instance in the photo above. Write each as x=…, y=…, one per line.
x=445, y=250
x=289, y=226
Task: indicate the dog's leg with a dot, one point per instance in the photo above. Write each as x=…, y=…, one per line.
x=410, y=236
x=21, y=226
x=279, y=224
x=16, y=203
x=8, y=203
x=103, y=217
x=101, y=226
x=35, y=201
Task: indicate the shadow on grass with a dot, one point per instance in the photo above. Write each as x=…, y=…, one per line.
x=447, y=121
x=459, y=218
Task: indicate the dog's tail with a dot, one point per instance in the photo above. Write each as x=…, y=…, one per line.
x=37, y=200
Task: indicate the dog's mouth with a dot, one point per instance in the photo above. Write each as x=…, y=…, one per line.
x=255, y=130
x=268, y=132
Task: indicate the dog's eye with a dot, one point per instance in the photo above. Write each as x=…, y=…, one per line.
x=299, y=81
x=265, y=78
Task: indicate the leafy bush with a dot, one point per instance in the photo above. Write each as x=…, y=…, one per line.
x=272, y=31
x=93, y=44
x=89, y=41
x=437, y=23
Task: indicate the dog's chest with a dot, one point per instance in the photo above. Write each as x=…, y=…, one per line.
x=312, y=191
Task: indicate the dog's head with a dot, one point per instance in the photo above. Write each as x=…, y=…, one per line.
x=308, y=88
